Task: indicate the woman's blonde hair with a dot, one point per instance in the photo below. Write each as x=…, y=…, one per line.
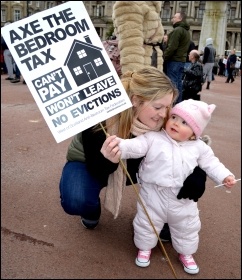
x=147, y=84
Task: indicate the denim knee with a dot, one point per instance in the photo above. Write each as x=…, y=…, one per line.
x=79, y=191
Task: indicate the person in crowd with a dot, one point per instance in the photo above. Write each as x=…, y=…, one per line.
x=176, y=51
x=170, y=156
x=8, y=58
x=193, y=78
x=164, y=42
x=163, y=47
x=188, y=62
x=215, y=66
x=140, y=32
x=237, y=66
x=225, y=65
x=239, y=70
x=3, y=64
x=87, y=171
x=221, y=65
x=231, y=66
x=17, y=74
x=208, y=61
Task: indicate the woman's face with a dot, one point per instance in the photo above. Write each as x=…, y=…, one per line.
x=152, y=113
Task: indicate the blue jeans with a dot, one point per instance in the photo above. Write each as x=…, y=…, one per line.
x=17, y=72
x=174, y=72
x=79, y=191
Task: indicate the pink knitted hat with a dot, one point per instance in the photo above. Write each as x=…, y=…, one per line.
x=197, y=114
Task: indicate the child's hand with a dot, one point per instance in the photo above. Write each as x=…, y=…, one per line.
x=110, y=149
x=229, y=181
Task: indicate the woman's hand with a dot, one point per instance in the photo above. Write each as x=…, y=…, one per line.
x=110, y=149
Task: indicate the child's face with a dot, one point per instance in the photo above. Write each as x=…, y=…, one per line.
x=178, y=129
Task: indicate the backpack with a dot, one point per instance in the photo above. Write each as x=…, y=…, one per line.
x=194, y=84
x=111, y=47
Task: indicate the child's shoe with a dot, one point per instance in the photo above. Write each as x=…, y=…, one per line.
x=189, y=264
x=143, y=258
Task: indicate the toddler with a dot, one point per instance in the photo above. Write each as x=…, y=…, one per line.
x=170, y=156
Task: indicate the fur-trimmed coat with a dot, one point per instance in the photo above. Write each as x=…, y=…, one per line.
x=137, y=23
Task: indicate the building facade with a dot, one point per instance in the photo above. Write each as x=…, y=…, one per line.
x=100, y=13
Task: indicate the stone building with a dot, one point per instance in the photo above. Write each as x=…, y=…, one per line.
x=101, y=15
x=16, y=10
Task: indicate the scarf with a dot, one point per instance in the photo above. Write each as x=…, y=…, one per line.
x=117, y=180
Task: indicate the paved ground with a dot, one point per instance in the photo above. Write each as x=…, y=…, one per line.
x=40, y=241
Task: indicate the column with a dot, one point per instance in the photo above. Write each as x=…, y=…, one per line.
x=175, y=4
x=237, y=10
x=233, y=41
x=237, y=46
x=193, y=9
x=214, y=25
x=189, y=8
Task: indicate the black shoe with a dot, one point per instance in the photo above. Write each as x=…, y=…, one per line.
x=16, y=80
x=24, y=82
x=10, y=79
x=165, y=234
x=89, y=224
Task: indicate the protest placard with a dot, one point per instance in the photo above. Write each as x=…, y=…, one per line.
x=66, y=68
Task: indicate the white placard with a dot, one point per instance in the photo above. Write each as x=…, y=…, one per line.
x=66, y=68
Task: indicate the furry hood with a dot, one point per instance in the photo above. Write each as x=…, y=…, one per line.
x=206, y=139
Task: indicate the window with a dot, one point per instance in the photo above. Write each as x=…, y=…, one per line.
x=201, y=10
x=195, y=36
x=49, y=4
x=3, y=15
x=77, y=70
x=166, y=15
x=36, y=3
x=16, y=15
x=232, y=13
x=99, y=10
x=98, y=61
x=184, y=10
x=98, y=29
x=81, y=53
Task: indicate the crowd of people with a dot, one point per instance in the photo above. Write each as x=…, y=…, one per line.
x=163, y=75
x=8, y=64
